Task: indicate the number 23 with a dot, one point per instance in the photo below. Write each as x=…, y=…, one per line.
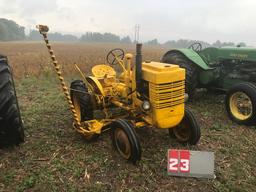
x=184, y=165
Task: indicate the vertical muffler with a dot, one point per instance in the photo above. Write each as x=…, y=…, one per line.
x=138, y=67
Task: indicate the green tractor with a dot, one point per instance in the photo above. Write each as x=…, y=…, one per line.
x=229, y=69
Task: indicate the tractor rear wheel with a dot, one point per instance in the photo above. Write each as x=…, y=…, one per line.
x=125, y=140
x=82, y=102
x=188, y=131
x=11, y=127
x=191, y=80
x=240, y=103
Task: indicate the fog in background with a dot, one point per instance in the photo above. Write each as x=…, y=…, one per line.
x=207, y=20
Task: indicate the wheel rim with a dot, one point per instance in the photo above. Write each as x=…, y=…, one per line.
x=122, y=143
x=77, y=108
x=182, y=132
x=240, y=105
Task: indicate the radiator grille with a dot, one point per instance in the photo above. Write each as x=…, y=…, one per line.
x=168, y=94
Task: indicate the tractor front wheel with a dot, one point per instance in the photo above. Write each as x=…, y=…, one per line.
x=188, y=131
x=241, y=103
x=125, y=140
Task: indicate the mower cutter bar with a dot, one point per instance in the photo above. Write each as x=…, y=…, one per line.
x=86, y=128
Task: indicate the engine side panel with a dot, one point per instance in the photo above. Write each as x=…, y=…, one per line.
x=166, y=93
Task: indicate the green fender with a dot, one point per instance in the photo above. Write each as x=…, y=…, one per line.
x=193, y=56
x=207, y=74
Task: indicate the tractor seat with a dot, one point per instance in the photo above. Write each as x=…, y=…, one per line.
x=105, y=74
x=103, y=71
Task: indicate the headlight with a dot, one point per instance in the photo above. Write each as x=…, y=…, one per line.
x=146, y=105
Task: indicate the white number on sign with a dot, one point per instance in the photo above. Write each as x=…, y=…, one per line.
x=173, y=164
x=184, y=165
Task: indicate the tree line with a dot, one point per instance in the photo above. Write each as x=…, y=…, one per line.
x=11, y=31
x=184, y=43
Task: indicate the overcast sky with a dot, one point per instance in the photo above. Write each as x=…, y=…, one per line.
x=208, y=20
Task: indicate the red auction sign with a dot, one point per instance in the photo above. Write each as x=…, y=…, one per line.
x=178, y=161
x=187, y=163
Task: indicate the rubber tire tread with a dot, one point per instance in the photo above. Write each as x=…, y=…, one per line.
x=86, y=105
x=196, y=131
x=11, y=126
x=128, y=128
x=84, y=99
x=191, y=81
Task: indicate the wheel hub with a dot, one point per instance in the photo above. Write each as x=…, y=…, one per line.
x=240, y=105
x=122, y=143
x=183, y=131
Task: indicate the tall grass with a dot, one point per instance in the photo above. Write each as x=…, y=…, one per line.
x=32, y=59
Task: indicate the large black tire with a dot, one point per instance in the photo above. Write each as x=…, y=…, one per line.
x=11, y=127
x=79, y=91
x=188, y=131
x=83, y=103
x=125, y=140
x=248, y=90
x=191, y=82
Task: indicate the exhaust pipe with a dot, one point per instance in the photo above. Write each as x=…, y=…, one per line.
x=138, y=67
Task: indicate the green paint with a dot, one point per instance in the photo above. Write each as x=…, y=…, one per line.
x=222, y=68
x=193, y=56
x=212, y=54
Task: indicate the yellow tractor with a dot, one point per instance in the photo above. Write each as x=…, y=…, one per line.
x=146, y=94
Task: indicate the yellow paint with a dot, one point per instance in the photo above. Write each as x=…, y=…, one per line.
x=77, y=108
x=166, y=92
x=235, y=101
x=77, y=122
x=140, y=124
x=160, y=73
x=94, y=126
x=121, y=89
x=93, y=80
x=103, y=71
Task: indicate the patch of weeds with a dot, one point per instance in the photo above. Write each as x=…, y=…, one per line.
x=8, y=177
x=218, y=127
x=55, y=157
x=78, y=172
x=98, y=187
x=28, y=183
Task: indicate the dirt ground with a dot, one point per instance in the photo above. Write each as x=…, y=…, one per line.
x=56, y=158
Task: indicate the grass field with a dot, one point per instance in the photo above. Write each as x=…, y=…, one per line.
x=56, y=158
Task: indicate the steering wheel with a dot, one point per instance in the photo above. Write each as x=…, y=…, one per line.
x=196, y=47
x=115, y=54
